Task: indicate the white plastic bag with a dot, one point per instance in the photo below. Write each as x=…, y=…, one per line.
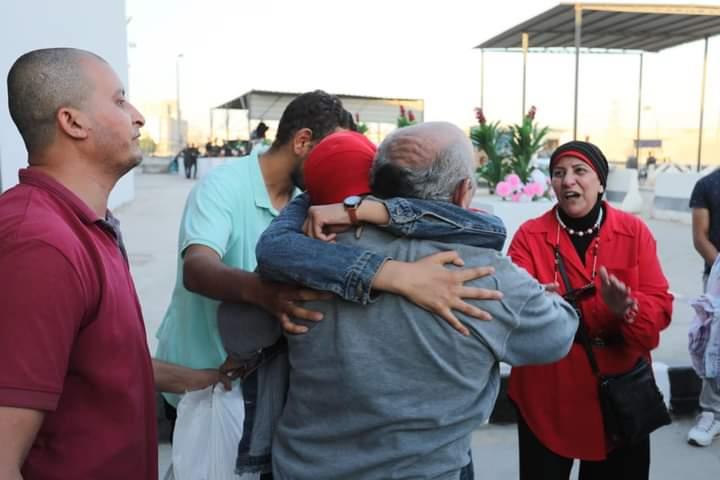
x=207, y=433
x=228, y=415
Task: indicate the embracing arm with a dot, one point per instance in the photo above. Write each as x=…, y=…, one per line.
x=532, y=326
x=173, y=378
x=205, y=233
x=285, y=254
x=415, y=218
x=444, y=222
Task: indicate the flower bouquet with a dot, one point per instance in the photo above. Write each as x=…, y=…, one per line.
x=512, y=188
x=406, y=118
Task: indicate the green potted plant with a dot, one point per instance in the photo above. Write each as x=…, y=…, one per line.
x=361, y=127
x=406, y=118
x=527, y=139
x=492, y=140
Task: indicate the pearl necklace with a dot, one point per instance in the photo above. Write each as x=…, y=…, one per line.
x=580, y=233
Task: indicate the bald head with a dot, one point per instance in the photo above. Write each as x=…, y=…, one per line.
x=425, y=161
x=41, y=82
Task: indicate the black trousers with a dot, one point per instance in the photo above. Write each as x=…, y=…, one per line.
x=191, y=168
x=539, y=463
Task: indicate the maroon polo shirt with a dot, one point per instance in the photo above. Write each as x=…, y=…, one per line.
x=72, y=338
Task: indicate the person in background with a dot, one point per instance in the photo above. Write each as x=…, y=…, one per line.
x=257, y=139
x=705, y=205
x=190, y=156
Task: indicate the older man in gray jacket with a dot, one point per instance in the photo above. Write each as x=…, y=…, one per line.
x=389, y=390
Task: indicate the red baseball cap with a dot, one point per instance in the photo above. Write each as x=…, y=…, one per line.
x=339, y=166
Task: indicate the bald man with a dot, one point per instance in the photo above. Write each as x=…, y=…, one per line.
x=389, y=390
x=76, y=384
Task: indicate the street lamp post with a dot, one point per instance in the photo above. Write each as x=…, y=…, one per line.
x=179, y=135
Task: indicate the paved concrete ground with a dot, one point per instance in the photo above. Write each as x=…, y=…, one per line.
x=150, y=226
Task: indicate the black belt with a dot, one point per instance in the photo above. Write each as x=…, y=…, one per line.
x=600, y=341
x=243, y=368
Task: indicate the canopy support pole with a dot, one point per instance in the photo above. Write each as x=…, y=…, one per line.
x=578, y=36
x=524, y=81
x=639, y=113
x=482, y=78
x=702, y=104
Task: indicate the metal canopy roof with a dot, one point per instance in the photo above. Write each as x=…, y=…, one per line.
x=648, y=28
x=269, y=105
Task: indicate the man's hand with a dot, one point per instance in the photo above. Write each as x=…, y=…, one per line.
x=173, y=378
x=431, y=286
x=323, y=222
x=615, y=293
x=199, y=379
x=281, y=300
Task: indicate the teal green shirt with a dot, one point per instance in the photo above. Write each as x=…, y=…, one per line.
x=226, y=211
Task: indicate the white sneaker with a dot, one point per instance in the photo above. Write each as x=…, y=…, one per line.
x=706, y=429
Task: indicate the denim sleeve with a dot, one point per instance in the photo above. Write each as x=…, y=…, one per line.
x=444, y=222
x=285, y=254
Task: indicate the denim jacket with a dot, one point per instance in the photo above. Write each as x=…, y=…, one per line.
x=285, y=254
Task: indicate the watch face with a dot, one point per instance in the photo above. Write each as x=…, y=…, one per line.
x=352, y=201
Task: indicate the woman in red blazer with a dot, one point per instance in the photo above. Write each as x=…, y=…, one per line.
x=612, y=265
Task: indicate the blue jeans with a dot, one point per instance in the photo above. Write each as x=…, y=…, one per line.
x=468, y=472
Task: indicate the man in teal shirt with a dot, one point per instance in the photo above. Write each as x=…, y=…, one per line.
x=224, y=216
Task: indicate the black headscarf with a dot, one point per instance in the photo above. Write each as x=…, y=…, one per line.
x=587, y=152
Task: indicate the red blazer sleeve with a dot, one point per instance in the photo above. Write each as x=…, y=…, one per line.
x=654, y=299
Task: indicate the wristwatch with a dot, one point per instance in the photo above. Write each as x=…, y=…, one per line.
x=351, y=204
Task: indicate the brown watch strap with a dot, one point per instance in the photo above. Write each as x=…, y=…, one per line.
x=352, y=213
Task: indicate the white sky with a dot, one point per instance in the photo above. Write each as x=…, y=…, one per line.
x=401, y=48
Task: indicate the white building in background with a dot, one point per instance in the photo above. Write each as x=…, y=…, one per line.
x=98, y=26
x=162, y=126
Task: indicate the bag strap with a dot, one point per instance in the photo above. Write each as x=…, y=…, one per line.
x=582, y=333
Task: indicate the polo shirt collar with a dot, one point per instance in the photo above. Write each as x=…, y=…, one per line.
x=29, y=176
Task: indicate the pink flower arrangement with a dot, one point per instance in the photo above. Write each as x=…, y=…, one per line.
x=513, y=189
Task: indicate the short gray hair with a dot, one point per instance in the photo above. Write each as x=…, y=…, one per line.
x=41, y=82
x=436, y=180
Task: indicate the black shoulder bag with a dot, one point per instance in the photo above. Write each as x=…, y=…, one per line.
x=632, y=405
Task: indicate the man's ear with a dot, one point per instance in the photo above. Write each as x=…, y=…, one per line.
x=302, y=142
x=73, y=123
x=462, y=196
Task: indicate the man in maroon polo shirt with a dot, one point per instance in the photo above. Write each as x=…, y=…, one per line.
x=76, y=378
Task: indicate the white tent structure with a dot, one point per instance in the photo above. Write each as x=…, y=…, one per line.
x=265, y=105
x=613, y=28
